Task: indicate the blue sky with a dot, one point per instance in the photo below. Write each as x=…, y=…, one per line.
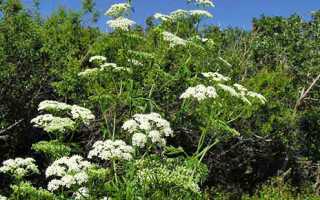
x=234, y=13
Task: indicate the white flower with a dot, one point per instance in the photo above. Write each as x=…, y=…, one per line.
x=121, y=23
x=228, y=89
x=205, y=3
x=199, y=92
x=116, y=10
x=98, y=58
x=139, y=139
x=111, y=150
x=54, y=184
x=89, y=72
x=179, y=14
x=130, y=126
x=19, y=167
x=135, y=62
x=81, y=113
x=161, y=16
x=49, y=105
x=173, y=39
x=200, y=13
x=53, y=124
x=215, y=76
x=239, y=87
x=70, y=170
x=82, y=193
x=145, y=126
x=260, y=97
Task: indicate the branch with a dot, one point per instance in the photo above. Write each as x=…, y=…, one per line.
x=305, y=93
x=11, y=126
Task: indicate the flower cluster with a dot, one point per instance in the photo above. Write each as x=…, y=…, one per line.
x=97, y=58
x=215, y=76
x=82, y=193
x=3, y=197
x=67, y=171
x=182, y=15
x=82, y=114
x=89, y=72
x=111, y=150
x=53, y=106
x=114, y=67
x=205, y=3
x=148, y=126
x=19, y=167
x=173, y=39
x=52, y=124
x=199, y=92
x=121, y=23
x=117, y=10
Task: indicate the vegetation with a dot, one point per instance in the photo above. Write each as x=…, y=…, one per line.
x=173, y=110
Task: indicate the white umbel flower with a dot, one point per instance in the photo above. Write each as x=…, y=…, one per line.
x=215, y=76
x=199, y=92
x=148, y=126
x=173, y=39
x=228, y=89
x=83, y=114
x=50, y=105
x=205, y=3
x=161, y=17
x=89, y=72
x=111, y=150
x=97, y=58
x=200, y=13
x=70, y=170
x=82, y=193
x=117, y=10
x=19, y=167
x=260, y=97
x=139, y=140
x=121, y=23
x=52, y=124
x=3, y=197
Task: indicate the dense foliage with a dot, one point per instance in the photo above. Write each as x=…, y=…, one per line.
x=173, y=110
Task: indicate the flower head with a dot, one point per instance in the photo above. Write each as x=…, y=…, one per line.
x=121, y=23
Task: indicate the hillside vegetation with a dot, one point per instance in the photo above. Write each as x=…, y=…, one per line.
x=170, y=110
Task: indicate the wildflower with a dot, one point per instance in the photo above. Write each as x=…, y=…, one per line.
x=200, y=13
x=121, y=23
x=139, y=139
x=179, y=14
x=82, y=193
x=205, y=3
x=240, y=87
x=111, y=150
x=3, y=197
x=81, y=113
x=49, y=105
x=260, y=97
x=70, y=170
x=53, y=124
x=117, y=10
x=161, y=17
x=135, y=62
x=173, y=39
x=215, y=76
x=145, y=126
x=228, y=89
x=199, y=92
x=19, y=167
x=98, y=58
x=89, y=72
